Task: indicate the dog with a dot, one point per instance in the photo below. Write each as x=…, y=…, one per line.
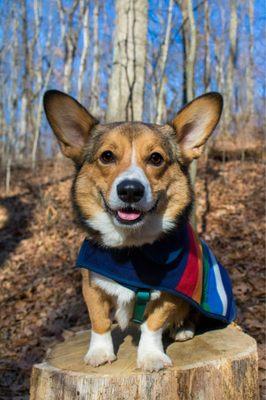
x=131, y=189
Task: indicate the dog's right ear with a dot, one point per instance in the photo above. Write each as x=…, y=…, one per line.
x=70, y=121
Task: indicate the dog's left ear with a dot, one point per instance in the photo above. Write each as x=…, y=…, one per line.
x=195, y=123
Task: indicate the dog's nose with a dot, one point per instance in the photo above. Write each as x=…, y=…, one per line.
x=130, y=191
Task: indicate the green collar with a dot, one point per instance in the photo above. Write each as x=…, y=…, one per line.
x=142, y=298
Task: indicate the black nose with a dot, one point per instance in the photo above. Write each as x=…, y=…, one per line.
x=130, y=191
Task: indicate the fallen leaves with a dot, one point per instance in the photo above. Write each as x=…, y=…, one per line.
x=40, y=294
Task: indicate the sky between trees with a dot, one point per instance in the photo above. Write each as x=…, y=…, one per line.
x=144, y=58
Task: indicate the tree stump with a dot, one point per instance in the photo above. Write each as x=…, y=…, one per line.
x=216, y=365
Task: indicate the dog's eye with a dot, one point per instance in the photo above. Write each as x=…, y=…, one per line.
x=107, y=157
x=156, y=159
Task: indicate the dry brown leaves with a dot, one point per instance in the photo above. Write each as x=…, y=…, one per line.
x=40, y=290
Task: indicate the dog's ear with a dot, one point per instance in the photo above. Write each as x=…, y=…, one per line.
x=70, y=122
x=195, y=123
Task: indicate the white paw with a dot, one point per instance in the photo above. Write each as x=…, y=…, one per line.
x=101, y=349
x=184, y=333
x=154, y=361
x=99, y=356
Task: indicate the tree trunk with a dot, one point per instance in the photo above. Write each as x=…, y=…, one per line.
x=216, y=365
x=94, y=103
x=25, y=101
x=229, y=94
x=162, y=64
x=85, y=49
x=190, y=33
x=39, y=119
x=41, y=79
x=12, y=101
x=126, y=86
x=219, y=47
x=207, y=66
x=250, y=61
x=189, y=51
x=219, y=53
x=69, y=37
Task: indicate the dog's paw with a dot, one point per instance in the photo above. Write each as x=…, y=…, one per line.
x=154, y=361
x=184, y=333
x=99, y=356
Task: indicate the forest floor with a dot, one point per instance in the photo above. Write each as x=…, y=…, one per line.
x=41, y=292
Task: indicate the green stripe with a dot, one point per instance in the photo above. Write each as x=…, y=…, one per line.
x=206, y=268
x=142, y=298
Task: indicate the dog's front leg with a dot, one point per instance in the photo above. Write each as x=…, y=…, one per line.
x=151, y=355
x=101, y=348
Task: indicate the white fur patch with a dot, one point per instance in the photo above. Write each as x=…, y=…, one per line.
x=147, y=231
x=124, y=298
x=101, y=349
x=185, y=332
x=123, y=314
x=123, y=294
x=155, y=294
x=112, y=235
x=151, y=356
x=132, y=173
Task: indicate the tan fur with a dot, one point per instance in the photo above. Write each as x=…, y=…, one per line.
x=167, y=309
x=98, y=304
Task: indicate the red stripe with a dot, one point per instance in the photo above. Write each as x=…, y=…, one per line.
x=189, y=278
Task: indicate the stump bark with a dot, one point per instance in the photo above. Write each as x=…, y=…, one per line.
x=217, y=365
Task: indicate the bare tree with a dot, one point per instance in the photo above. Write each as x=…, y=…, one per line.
x=190, y=43
x=189, y=52
x=94, y=92
x=12, y=100
x=3, y=125
x=219, y=48
x=250, y=63
x=69, y=36
x=41, y=78
x=207, y=64
x=25, y=100
x=231, y=64
x=85, y=48
x=126, y=87
x=162, y=64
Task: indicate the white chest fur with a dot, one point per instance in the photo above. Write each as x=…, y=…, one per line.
x=124, y=298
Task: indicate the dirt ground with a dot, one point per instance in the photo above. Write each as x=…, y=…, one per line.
x=40, y=290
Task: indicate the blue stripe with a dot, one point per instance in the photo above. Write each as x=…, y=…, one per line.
x=231, y=311
x=213, y=298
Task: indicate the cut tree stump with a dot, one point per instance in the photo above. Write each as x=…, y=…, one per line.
x=220, y=364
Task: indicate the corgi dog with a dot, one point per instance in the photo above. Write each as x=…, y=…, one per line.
x=131, y=188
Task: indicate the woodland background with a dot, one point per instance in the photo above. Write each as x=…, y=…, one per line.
x=124, y=60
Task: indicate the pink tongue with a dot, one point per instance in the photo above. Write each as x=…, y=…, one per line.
x=129, y=216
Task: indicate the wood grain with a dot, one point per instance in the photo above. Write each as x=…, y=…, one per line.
x=216, y=365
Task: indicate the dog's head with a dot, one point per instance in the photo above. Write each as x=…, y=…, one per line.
x=132, y=182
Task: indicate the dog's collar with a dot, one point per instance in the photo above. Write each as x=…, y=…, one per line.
x=179, y=264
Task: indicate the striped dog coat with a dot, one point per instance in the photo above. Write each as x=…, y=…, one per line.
x=179, y=264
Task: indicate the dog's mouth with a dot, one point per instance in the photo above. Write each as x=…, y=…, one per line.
x=128, y=215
